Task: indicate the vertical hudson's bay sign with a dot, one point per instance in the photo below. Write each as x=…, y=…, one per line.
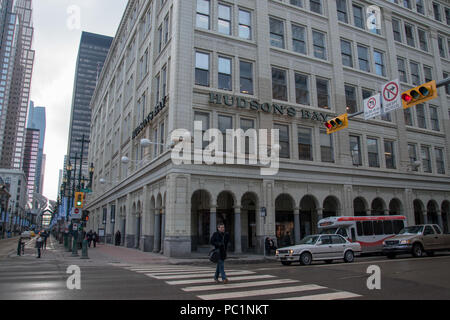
x=158, y=108
x=274, y=108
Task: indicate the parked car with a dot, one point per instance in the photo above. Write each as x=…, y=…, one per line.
x=416, y=240
x=319, y=247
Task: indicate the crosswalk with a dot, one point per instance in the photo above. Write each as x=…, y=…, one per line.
x=244, y=284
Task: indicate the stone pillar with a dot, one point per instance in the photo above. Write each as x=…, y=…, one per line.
x=425, y=217
x=212, y=220
x=163, y=229
x=320, y=214
x=439, y=218
x=157, y=246
x=297, y=237
x=237, y=230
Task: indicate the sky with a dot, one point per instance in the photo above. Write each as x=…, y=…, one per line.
x=57, y=32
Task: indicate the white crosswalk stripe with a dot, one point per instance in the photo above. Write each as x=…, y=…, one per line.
x=243, y=283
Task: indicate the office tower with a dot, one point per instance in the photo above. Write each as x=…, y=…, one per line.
x=37, y=120
x=30, y=160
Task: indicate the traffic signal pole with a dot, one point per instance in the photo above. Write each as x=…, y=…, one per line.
x=442, y=83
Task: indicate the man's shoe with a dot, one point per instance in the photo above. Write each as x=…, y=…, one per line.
x=225, y=281
x=216, y=281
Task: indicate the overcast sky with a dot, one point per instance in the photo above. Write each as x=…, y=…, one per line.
x=57, y=33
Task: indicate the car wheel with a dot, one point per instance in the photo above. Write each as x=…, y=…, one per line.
x=286, y=263
x=391, y=255
x=417, y=250
x=305, y=259
x=349, y=256
x=329, y=261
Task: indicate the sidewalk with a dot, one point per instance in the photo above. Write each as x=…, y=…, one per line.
x=112, y=254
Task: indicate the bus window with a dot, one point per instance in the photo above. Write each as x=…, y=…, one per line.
x=328, y=231
x=368, y=228
x=342, y=232
x=388, y=229
x=398, y=226
x=353, y=235
x=378, y=227
x=359, y=228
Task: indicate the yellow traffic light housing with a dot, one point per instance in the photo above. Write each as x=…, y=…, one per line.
x=336, y=124
x=419, y=94
x=79, y=198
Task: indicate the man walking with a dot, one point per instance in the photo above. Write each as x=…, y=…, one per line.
x=118, y=237
x=220, y=241
x=39, y=246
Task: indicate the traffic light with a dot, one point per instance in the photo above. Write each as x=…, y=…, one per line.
x=79, y=197
x=85, y=215
x=336, y=124
x=419, y=94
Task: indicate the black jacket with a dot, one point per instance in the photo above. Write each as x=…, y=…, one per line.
x=220, y=241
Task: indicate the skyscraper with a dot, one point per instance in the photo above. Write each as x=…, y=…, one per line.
x=37, y=120
x=30, y=160
x=91, y=57
x=16, y=64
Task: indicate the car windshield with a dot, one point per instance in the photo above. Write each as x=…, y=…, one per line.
x=412, y=230
x=309, y=240
x=328, y=231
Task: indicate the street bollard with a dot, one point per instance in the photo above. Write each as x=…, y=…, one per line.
x=19, y=247
x=84, y=251
x=65, y=241
x=75, y=246
x=69, y=241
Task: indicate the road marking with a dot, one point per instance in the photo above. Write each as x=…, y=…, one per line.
x=199, y=275
x=179, y=272
x=169, y=269
x=209, y=280
x=255, y=293
x=326, y=296
x=238, y=285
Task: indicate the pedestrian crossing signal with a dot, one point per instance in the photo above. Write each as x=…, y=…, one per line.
x=419, y=94
x=336, y=124
x=79, y=197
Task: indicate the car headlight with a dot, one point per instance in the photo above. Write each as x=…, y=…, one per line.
x=405, y=241
x=291, y=252
x=276, y=252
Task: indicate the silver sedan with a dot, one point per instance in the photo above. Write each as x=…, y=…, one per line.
x=319, y=247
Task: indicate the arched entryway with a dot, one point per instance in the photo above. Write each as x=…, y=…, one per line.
x=225, y=215
x=378, y=207
x=395, y=207
x=331, y=207
x=249, y=208
x=284, y=220
x=359, y=207
x=418, y=212
x=445, y=211
x=200, y=219
x=432, y=212
x=308, y=216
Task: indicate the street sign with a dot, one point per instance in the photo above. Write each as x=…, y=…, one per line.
x=263, y=212
x=76, y=213
x=74, y=227
x=372, y=107
x=392, y=98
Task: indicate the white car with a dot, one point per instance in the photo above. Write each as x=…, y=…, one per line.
x=319, y=247
x=26, y=234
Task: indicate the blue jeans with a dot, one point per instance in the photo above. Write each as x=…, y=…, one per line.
x=220, y=269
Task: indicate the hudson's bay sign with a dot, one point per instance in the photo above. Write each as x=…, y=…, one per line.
x=158, y=108
x=274, y=108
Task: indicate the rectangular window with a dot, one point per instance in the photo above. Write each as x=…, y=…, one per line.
x=421, y=120
x=326, y=147
x=389, y=154
x=225, y=123
x=161, y=138
x=358, y=16
x=319, y=44
x=372, y=151
x=284, y=140
x=246, y=77
x=279, y=84
x=350, y=99
x=427, y=73
x=203, y=8
x=276, y=33
x=245, y=25
x=305, y=149
x=409, y=31
x=423, y=42
x=420, y=6
x=302, y=89
x=224, y=19
x=402, y=69
x=437, y=11
x=204, y=118
x=379, y=63
x=346, y=51
x=412, y=153
x=396, y=29
x=355, y=150
x=202, y=69
x=363, y=58
x=323, y=93
x=316, y=6
x=415, y=74
x=434, y=118
x=426, y=159
x=368, y=228
x=441, y=46
x=440, y=166
x=225, y=81
x=247, y=124
x=298, y=39
x=342, y=10
x=298, y=3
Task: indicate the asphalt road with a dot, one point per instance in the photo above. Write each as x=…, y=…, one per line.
x=28, y=278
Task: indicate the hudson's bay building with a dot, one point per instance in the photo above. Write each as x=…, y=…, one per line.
x=267, y=64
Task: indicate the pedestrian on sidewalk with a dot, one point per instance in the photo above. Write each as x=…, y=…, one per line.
x=220, y=240
x=38, y=246
x=44, y=239
x=118, y=237
x=95, y=239
x=89, y=238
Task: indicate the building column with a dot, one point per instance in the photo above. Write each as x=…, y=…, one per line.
x=425, y=216
x=212, y=220
x=157, y=246
x=237, y=230
x=320, y=214
x=297, y=237
x=439, y=218
x=163, y=229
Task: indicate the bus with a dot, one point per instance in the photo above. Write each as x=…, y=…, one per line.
x=368, y=231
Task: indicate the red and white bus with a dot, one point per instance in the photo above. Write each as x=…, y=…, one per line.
x=368, y=231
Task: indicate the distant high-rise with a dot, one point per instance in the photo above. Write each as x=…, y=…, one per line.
x=91, y=57
x=37, y=120
x=16, y=65
x=30, y=160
